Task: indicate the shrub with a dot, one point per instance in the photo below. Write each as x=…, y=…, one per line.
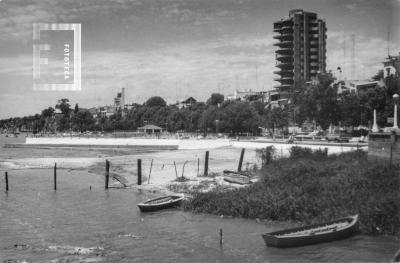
x=266, y=155
x=312, y=190
x=301, y=152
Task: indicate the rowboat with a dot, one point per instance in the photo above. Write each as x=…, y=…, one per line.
x=237, y=179
x=161, y=203
x=311, y=234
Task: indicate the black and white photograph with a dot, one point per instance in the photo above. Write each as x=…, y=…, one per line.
x=199, y=131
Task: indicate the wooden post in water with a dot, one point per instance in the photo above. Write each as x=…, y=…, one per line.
x=107, y=173
x=139, y=171
x=206, y=164
x=151, y=166
x=241, y=160
x=176, y=171
x=220, y=236
x=198, y=166
x=55, y=176
x=6, y=177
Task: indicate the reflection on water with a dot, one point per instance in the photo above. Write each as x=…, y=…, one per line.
x=77, y=224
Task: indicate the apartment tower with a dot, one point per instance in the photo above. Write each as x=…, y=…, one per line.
x=301, y=49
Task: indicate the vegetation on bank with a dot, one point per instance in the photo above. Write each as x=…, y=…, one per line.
x=311, y=187
x=318, y=102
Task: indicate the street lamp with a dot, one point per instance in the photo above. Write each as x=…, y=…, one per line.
x=216, y=126
x=395, y=100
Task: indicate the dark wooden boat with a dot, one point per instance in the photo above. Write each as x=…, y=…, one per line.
x=317, y=233
x=161, y=203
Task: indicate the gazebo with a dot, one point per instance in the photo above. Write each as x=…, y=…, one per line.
x=150, y=129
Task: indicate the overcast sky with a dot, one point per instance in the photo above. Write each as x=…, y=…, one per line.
x=181, y=48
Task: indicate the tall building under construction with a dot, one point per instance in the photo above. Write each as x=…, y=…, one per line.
x=301, y=52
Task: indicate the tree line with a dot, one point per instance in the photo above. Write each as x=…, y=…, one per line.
x=317, y=102
x=323, y=103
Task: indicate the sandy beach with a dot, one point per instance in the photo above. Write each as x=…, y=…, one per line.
x=158, y=168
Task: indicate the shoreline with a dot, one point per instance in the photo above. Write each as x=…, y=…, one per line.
x=123, y=153
x=173, y=143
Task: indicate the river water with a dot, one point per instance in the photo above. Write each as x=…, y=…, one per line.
x=82, y=222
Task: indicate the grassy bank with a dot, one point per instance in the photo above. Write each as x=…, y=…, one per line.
x=311, y=187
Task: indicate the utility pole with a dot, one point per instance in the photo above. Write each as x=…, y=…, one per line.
x=353, y=56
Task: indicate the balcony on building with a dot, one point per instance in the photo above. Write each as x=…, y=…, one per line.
x=284, y=37
x=285, y=81
x=283, y=87
x=287, y=31
x=284, y=44
x=284, y=58
x=284, y=51
x=285, y=65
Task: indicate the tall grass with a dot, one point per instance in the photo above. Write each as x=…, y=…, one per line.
x=313, y=187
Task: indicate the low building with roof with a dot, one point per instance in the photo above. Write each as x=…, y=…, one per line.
x=150, y=129
x=391, y=66
x=187, y=103
x=354, y=86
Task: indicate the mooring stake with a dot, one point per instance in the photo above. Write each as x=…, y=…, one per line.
x=241, y=160
x=151, y=166
x=139, y=172
x=107, y=173
x=55, y=176
x=198, y=166
x=206, y=164
x=6, y=177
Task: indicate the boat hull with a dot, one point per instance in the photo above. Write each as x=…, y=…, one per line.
x=237, y=179
x=273, y=240
x=150, y=206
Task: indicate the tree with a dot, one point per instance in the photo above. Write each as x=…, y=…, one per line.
x=47, y=121
x=178, y=120
x=378, y=76
x=156, y=101
x=47, y=113
x=350, y=109
x=82, y=121
x=76, y=110
x=63, y=105
x=215, y=99
x=277, y=118
x=240, y=117
x=319, y=101
x=208, y=118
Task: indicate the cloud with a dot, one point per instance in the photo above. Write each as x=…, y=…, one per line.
x=196, y=68
x=18, y=66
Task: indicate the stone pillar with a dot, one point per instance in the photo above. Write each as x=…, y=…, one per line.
x=395, y=98
x=375, y=127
